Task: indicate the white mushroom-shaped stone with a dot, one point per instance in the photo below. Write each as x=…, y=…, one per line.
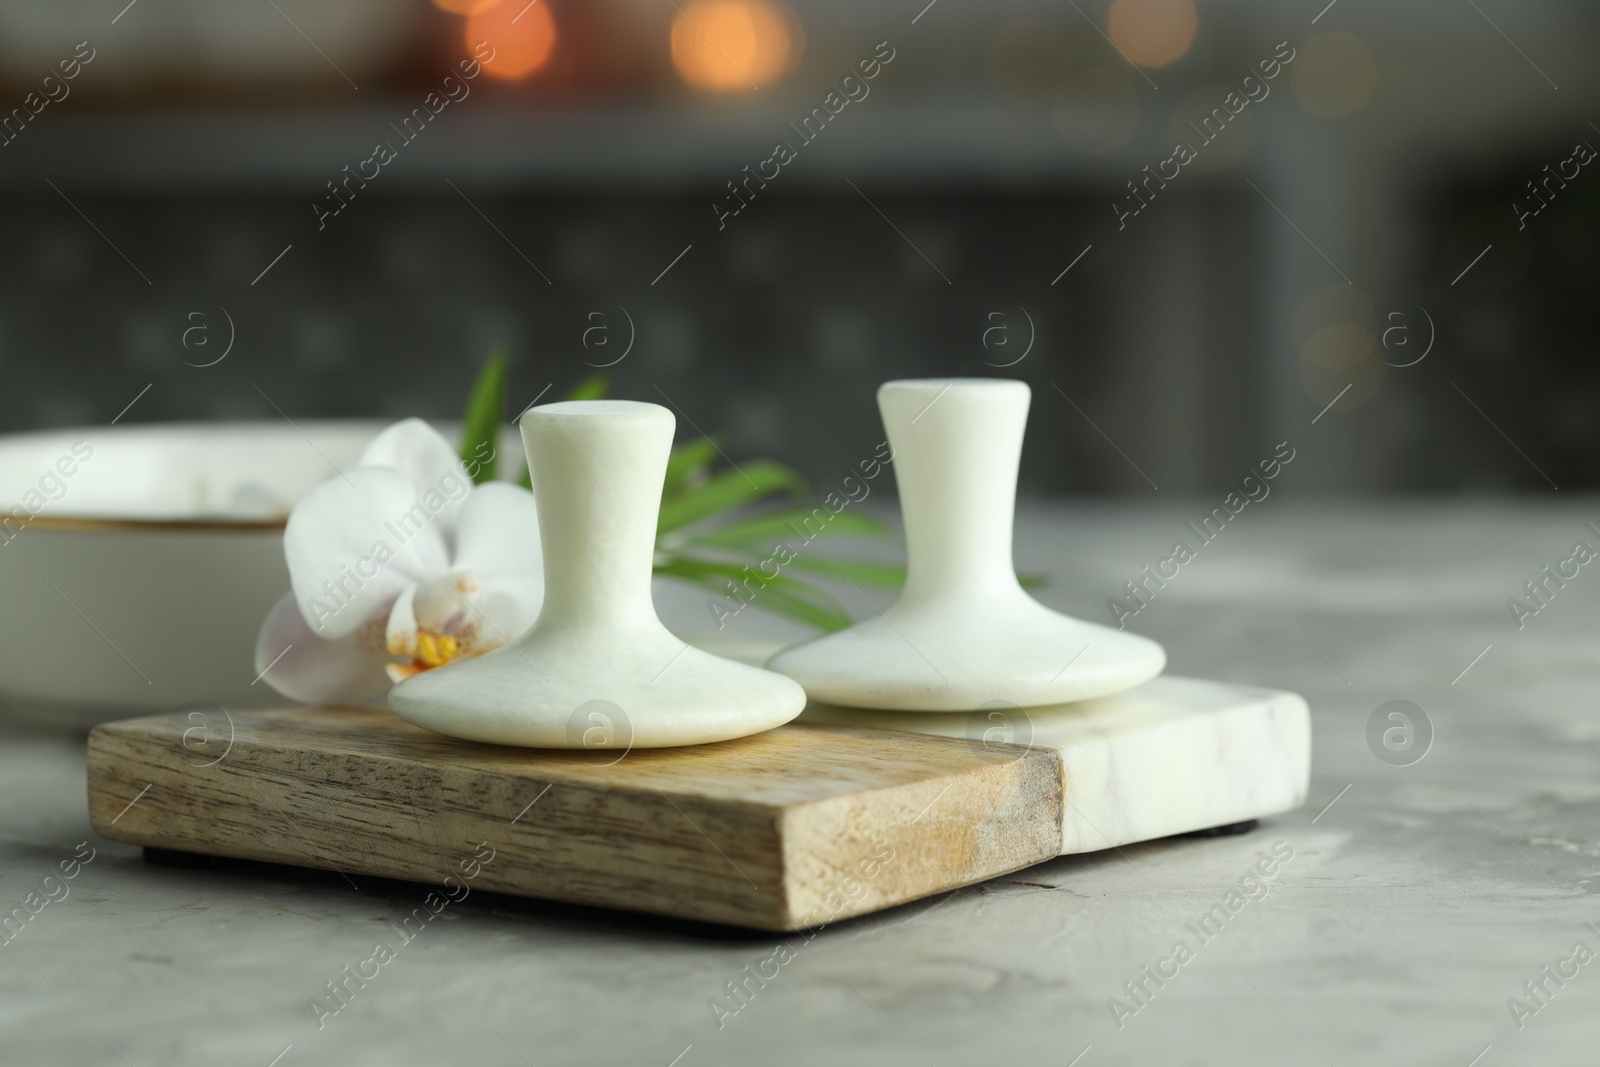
x=598, y=669
x=963, y=632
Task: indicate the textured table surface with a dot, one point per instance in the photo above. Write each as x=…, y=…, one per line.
x=1414, y=901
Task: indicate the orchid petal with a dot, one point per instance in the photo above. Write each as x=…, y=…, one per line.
x=446, y=605
x=400, y=636
x=427, y=461
x=499, y=531
x=353, y=543
x=305, y=667
x=482, y=612
x=506, y=610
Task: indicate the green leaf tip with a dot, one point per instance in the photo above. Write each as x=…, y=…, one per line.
x=594, y=387
x=480, y=425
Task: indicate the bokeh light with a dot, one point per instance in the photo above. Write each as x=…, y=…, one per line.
x=733, y=45
x=1097, y=111
x=1333, y=305
x=1152, y=33
x=464, y=7
x=1335, y=328
x=1339, y=347
x=522, y=35
x=1324, y=385
x=1333, y=75
x=1027, y=60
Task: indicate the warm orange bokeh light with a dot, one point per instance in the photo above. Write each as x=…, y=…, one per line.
x=1335, y=76
x=522, y=35
x=463, y=7
x=725, y=45
x=1152, y=33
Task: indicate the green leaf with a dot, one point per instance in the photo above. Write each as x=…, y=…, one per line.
x=827, y=617
x=790, y=525
x=780, y=595
x=685, y=460
x=480, y=426
x=728, y=490
x=1033, y=581
x=855, y=570
x=594, y=387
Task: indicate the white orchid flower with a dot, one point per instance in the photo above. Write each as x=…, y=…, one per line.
x=398, y=565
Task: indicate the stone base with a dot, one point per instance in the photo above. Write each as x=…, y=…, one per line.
x=1167, y=757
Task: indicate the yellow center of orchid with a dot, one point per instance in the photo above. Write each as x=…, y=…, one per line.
x=435, y=650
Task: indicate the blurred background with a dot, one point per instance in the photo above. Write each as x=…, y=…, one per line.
x=1392, y=235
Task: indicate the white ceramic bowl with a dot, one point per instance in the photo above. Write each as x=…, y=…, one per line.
x=137, y=562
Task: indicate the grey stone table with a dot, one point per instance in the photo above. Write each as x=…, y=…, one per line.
x=1415, y=903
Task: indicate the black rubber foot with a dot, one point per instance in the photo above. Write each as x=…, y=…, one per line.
x=1218, y=831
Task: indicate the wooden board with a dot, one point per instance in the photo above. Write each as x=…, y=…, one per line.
x=797, y=827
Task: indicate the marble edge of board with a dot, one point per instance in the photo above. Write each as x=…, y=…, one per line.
x=1132, y=764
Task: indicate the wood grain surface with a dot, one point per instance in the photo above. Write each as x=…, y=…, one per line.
x=797, y=827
